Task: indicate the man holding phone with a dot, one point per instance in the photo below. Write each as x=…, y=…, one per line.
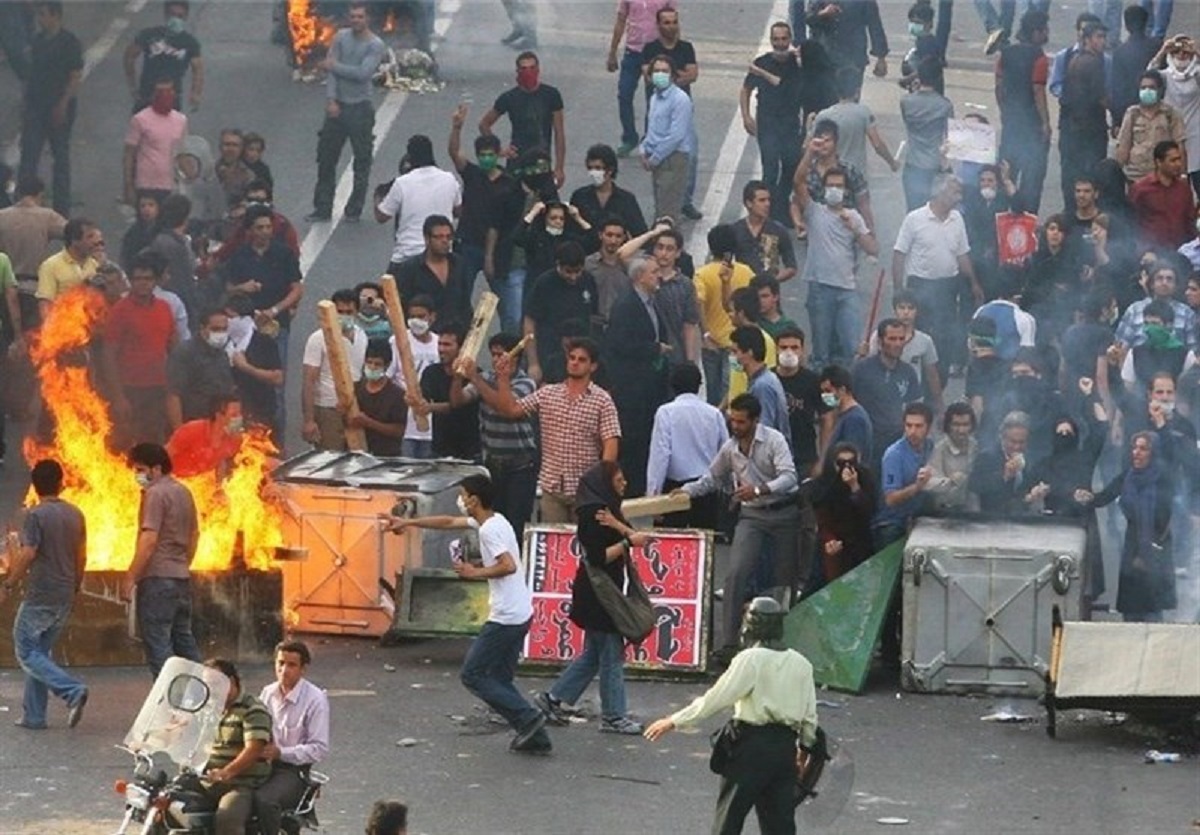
x=488, y=669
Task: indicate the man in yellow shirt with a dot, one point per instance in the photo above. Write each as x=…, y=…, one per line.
x=715, y=284
x=774, y=701
x=746, y=312
x=71, y=267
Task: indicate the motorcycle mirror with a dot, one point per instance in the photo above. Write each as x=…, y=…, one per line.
x=187, y=693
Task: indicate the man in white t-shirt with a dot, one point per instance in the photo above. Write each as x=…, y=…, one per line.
x=423, y=342
x=488, y=669
x=324, y=422
x=425, y=190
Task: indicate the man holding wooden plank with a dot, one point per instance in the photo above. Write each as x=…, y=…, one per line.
x=324, y=421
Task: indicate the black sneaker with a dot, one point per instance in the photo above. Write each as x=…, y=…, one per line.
x=512, y=37
x=537, y=745
x=523, y=737
x=996, y=40
x=691, y=212
x=318, y=217
x=551, y=708
x=76, y=711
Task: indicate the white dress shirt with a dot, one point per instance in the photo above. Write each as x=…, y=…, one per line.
x=687, y=435
x=299, y=721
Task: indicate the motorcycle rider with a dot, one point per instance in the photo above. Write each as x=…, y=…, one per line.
x=300, y=724
x=236, y=766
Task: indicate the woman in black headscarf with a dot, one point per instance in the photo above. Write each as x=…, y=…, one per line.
x=1147, y=576
x=606, y=540
x=844, y=503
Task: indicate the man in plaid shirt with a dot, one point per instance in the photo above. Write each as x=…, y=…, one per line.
x=579, y=425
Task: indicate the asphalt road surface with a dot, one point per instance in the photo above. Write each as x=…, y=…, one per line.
x=929, y=760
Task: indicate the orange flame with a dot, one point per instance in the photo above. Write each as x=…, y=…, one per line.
x=308, y=29
x=101, y=482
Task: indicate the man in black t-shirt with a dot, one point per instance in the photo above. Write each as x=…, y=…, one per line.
x=56, y=59
x=455, y=428
x=535, y=111
x=802, y=387
x=266, y=270
x=256, y=366
x=683, y=57
x=167, y=51
x=565, y=294
x=382, y=410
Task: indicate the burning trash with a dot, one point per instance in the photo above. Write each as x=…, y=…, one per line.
x=411, y=70
x=310, y=35
x=235, y=517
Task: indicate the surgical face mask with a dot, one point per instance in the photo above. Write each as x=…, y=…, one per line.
x=596, y=176
x=829, y=399
x=834, y=195
x=373, y=375
x=217, y=339
x=554, y=231
x=988, y=194
x=175, y=25
x=142, y=479
x=1148, y=96
x=789, y=359
x=1181, y=64
x=488, y=162
x=419, y=327
x=369, y=316
x=346, y=321
x=236, y=425
x=660, y=80
x=915, y=29
x=462, y=505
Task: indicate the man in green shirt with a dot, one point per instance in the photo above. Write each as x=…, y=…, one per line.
x=236, y=765
x=770, y=689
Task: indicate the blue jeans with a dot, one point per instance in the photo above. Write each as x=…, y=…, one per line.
x=799, y=24
x=835, y=324
x=716, y=374
x=164, y=613
x=1110, y=13
x=488, y=672
x=627, y=83
x=918, y=185
x=509, y=289
x=1161, y=16
x=689, y=193
x=38, y=130
x=603, y=652
x=779, y=148
x=35, y=632
x=416, y=448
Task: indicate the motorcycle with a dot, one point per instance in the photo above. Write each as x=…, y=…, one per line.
x=172, y=732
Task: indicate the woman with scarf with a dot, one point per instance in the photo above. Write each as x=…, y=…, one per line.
x=1147, y=575
x=844, y=502
x=606, y=540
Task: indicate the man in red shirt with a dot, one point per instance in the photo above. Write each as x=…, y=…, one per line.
x=1162, y=201
x=208, y=444
x=138, y=335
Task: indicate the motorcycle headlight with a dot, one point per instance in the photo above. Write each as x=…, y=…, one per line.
x=137, y=797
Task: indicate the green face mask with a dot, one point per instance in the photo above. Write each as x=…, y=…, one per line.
x=488, y=162
x=1160, y=337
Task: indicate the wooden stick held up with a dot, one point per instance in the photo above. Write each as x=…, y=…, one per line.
x=395, y=315
x=339, y=366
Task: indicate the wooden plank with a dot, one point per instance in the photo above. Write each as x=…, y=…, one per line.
x=655, y=505
x=485, y=311
x=395, y=315
x=339, y=365
x=515, y=351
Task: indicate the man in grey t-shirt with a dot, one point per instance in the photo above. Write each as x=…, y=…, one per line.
x=50, y=553
x=161, y=568
x=835, y=233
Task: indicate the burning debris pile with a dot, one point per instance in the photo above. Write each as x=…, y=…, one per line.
x=235, y=517
x=310, y=35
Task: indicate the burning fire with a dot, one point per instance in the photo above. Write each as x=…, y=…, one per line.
x=234, y=517
x=308, y=29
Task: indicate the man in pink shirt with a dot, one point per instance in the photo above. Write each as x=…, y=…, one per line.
x=637, y=21
x=154, y=132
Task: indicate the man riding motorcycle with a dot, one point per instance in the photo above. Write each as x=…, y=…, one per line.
x=236, y=765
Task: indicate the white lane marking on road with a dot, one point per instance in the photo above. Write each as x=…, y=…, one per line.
x=104, y=44
x=726, y=167
x=319, y=234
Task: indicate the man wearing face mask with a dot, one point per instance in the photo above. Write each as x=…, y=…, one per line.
x=1181, y=72
x=167, y=51
x=324, y=422
x=372, y=317
x=802, y=390
x=160, y=572
x=150, y=142
x=603, y=198
x=256, y=365
x=535, y=111
x=209, y=445
x=669, y=143
x=199, y=370
x=488, y=669
x=423, y=343
x=491, y=205
x=381, y=406
x=1146, y=124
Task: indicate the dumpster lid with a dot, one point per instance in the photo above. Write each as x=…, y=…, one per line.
x=1035, y=534
x=360, y=469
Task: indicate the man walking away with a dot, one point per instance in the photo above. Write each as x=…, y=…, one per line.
x=52, y=552
x=354, y=55
x=491, y=661
x=161, y=567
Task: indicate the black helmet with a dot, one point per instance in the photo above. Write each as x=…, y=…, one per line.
x=763, y=622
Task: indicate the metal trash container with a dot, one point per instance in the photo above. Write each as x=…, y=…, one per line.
x=333, y=501
x=978, y=600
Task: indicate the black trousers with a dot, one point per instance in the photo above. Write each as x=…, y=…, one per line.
x=356, y=122
x=762, y=777
x=280, y=793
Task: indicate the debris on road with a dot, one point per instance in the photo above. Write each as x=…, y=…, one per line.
x=1153, y=756
x=1008, y=715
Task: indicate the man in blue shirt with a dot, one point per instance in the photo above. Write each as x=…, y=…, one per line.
x=905, y=475
x=851, y=423
x=750, y=350
x=670, y=139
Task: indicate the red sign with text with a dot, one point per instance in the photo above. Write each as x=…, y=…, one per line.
x=674, y=566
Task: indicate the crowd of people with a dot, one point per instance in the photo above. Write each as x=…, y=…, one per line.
x=625, y=365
